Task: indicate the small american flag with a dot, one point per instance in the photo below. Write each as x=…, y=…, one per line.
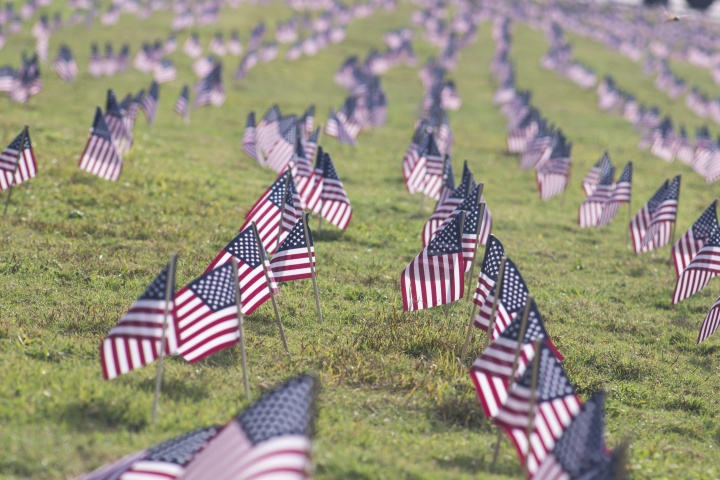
x=135, y=340
x=448, y=185
x=182, y=105
x=309, y=181
x=622, y=193
x=336, y=128
x=553, y=175
x=114, y=118
x=641, y=220
x=249, y=140
x=413, y=172
x=65, y=65
x=444, y=210
x=433, y=169
x=663, y=219
x=17, y=162
x=291, y=261
x=704, y=266
x=591, y=208
x=556, y=405
x=308, y=121
x=164, y=71
x=591, y=179
x=100, y=157
x=150, y=102
x=266, y=130
x=711, y=322
x=284, y=147
x=310, y=144
x=513, y=295
x=489, y=271
x=206, y=314
x=436, y=276
x=336, y=207
x=254, y=288
x=687, y=247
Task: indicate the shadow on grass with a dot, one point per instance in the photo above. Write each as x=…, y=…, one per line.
x=175, y=389
x=482, y=463
x=98, y=414
x=326, y=235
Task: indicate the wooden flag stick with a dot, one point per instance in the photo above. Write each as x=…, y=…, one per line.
x=168, y=298
x=533, y=400
x=282, y=208
x=17, y=163
x=241, y=329
x=312, y=265
x=261, y=252
x=513, y=371
x=496, y=300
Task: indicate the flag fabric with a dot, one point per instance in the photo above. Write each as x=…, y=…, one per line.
x=338, y=129
x=470, y=237
x=269, y=440
x=581, y=451
x=254, y=288
x=150, y=102
x=622, y=193
x=704, y=266
x=556, y=405
x=182, y=105
x=336, y=207
x=663, y=219
x=267, y=129
x=249, y=140
x=553, y=176
x=291, y=261
x=492, y=371
x=434, y=166
x=711, y=322
x=687, y=247
x=444, y=210
x=135, y=340
x=282, y=150
x=206, y=314
x=114, y=118
x=100, y=156
x=641, y=220
x=17, y=162
x=436, y=275
x=413, y=163
x=310, y=145
x=448, y=184
x=309, y=180
x=489, y=271
x=592, y=177
x=513, y=295
x=591, y=208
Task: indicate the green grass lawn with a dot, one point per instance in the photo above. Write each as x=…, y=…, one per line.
x=395, y=402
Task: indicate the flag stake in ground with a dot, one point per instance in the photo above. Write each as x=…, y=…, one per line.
x=163, y=338
x=17, y=163
x=513, y=371
x=496, y=300
x=533, y=400
x=462, y=223
x=241, y=328
x=261, y=252
x=282, y=208
x=312, y=265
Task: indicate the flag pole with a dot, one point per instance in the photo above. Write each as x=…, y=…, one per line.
x=241, y=329
x=533, y=401
x=168, y=296
x=261, y=251
x=17, y=163
x=282, y=208
x=312, y=265
x=513, y=371
x=462, y=222
x=496, y=300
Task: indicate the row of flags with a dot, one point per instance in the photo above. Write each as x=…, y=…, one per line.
x=23, y=83
x=559, y=59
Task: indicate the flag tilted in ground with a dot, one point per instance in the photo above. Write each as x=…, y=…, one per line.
x=447, y=208
x=254, y=288
x=711, y=322
x=592, y=178
x=268, y=209
x=581, y=450
x=337, y=129
x=135, y=340
x=114, y=118
x=433, y=169
x=663, y=219
x=704, y=266
x=492, y=371
x=413, y=164
x=267, y=129
x=271, y=439
x=448, y=185
x=182, y=105
x=336, y=207
x=206, y=314
x=687, y=247
x=249, y=140
x=513, y=295
x=282, y=151
x=641, y=220
x=17, y=161
x=100, y=157
x=621, y=194
x=437, y=275
x=489, y=271
x=592, y=206
x=470, y=238
x=553, y=176
x=555, y=407
x=149, y=103
x=291, y=261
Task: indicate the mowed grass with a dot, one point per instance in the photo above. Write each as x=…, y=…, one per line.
x=395, y=402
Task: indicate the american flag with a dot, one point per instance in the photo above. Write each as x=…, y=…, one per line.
x=436, y=276
x=581, y=451
x=711, y=322
x=291, y=261
x=489, y=271
x=309, y=181
x=192, y=47
x=95, y=66
x=310, y=144
x=336, y=128
x=266, y=130
x=663, y=219
x=269, y=440
x=553, y=176
x=336, y=207
x=268, y=209
x=687, y=247
x=164, y=71
x=641, y=220
x=100, y=156
x=150, y=102
x=135, y=340
x=704, y=266
x=7, y=78
x=448, y=185
x=444, y=210
x=492, y=371
x=592, y=206
x=622, y=193
x=17, y=162
x=166, y=461
x=433, y=169
x=513, y=295
x=114, y=118
x=182, y=105
x=537, y=151
x=282, y=150
x=206, y=314
x=556, y=405
x=65, y=65
x=308, y=121
x=591, y=179
x=254, y=288
x=414, y=161
x=249, y=140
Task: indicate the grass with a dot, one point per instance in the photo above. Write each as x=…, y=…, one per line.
x=394, y=403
